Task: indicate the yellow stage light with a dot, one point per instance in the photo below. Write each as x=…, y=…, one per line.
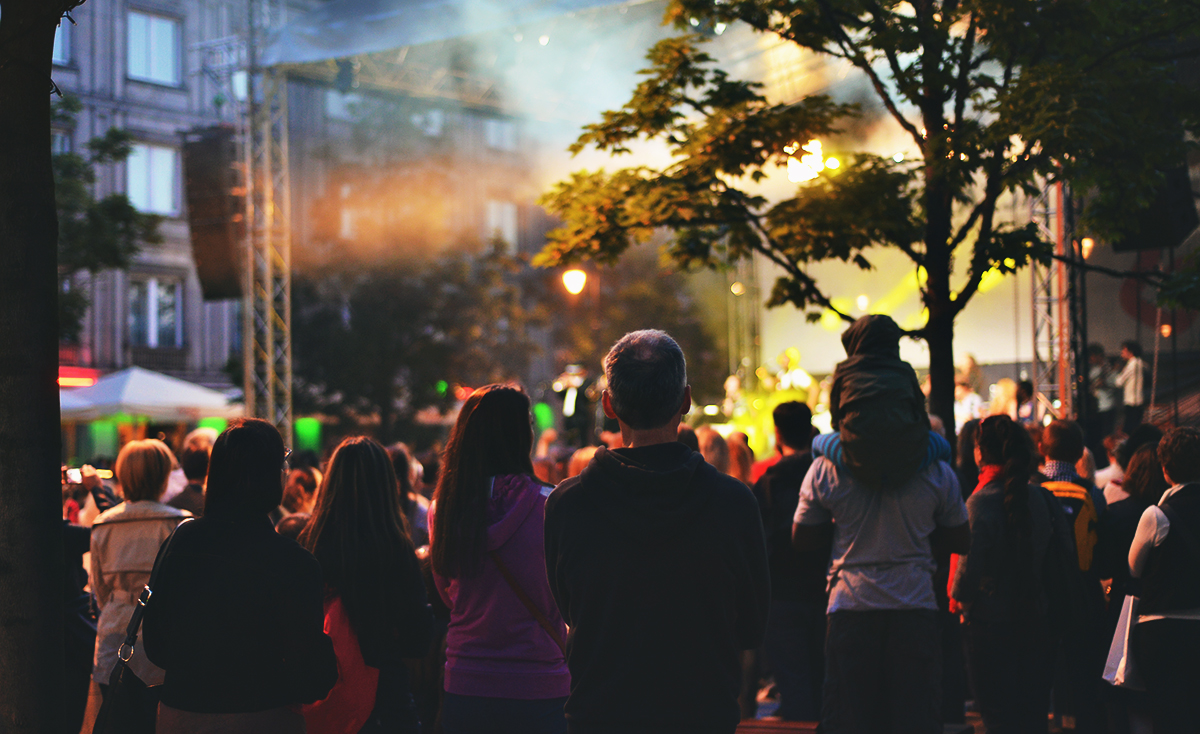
x=574, y=281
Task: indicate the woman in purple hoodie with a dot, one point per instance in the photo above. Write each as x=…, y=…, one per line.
x=505, y=664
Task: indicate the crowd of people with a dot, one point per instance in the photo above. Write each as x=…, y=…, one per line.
x=877, y=581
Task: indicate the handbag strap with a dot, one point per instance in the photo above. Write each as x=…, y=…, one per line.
x=533, y=609
x=125, y=651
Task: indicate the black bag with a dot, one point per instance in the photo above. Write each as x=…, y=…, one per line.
x=127, y=708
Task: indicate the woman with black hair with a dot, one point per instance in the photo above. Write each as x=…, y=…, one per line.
x=505, y=665
x=236, y=615
x=414, y=506
x=1000, y=584
x=375, y=604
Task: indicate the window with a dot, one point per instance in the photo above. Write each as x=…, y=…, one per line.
x=502, y=223
x=500, y=134
x=150, y=173
x=154, y=314
x=153, y=49
x=340, y=106
x=430, y=122
x=62, y=44
x=60, y=142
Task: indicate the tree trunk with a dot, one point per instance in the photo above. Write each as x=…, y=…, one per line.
x=31, y=553
x=940, y=338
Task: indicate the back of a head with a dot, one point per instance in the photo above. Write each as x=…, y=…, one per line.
x=1144, y=478
x=579, y=460
x=1134, y=348
x=194, y=462
x=741, y=460
x=1179, y=454
x=793, y=421
x=358, y=503
x=876, y=335
x=1004, y=443
x=1024, y=391
x=358, y=535
x=1147, y=433
x=1062, y=440
x=292, y=525
x=492, y=436
x=647, y=378
x=967, y=438
x=713, y=448
x=142, y=469
x=245, y=470
x=201, y=438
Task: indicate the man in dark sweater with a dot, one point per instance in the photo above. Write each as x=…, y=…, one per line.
x=657, y=562
x=795, y=639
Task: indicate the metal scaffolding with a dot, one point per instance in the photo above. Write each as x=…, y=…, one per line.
x=267, y=296
x=1053, y=366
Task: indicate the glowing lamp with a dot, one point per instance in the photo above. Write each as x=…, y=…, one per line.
x=1086, y=245
x=737, y=288
x=574, y=281
x=1165, y=330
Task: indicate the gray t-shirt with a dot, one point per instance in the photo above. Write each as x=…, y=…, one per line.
x=881, y=555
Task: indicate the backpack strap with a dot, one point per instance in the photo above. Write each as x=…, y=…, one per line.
x=529, y=603
x=125, y=651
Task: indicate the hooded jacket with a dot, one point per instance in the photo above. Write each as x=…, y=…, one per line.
x=877, y=405
x=494, y=645
x=659, y=566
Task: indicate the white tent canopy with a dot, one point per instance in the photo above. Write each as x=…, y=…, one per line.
x=140, y=392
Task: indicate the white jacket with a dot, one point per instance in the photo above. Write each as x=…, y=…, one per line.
x=125, y=542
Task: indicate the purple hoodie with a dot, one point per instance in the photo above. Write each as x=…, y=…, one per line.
x=494, y=646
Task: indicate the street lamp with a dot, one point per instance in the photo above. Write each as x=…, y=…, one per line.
x=574, y=281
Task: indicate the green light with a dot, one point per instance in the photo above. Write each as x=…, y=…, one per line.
x=308, y=434
x=442, y=387
x=104, y=438
x=217, y=424
x=543, y=416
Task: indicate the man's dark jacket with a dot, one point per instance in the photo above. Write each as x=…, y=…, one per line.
x=659, y=567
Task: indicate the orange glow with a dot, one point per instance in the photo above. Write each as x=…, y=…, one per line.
x=76, y=381
x=69, y=376
x=574, y=281
x=1165, y=330
x=1086, y=245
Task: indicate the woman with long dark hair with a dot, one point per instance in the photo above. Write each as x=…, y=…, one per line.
x=1000, y=583
x=505, y=664
x=235, y=618
x=375, y=604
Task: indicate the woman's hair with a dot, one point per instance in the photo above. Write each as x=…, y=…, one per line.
x=245, y=470
x=1144, y=480
x=358, y=534
x=966, y=449
x=1004, y=398
x=492, y=436
x=740, y=461
x=713, y=448
x=1003, y=442
x=142, y=469
x=401, y=459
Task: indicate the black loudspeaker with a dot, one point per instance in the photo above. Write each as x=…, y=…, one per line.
x=1169, y=219
x=216, y=209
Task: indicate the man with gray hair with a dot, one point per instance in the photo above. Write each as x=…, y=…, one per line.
x=657, y=562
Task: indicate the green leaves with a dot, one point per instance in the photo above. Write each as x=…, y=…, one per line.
x=93, y=235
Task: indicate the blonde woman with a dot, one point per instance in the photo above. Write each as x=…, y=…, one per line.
x=125, y=541
x=1004, y=398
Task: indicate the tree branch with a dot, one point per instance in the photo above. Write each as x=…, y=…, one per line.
x=856, y=57
x=772, y=254
x=1152, y=277
x=964, y=74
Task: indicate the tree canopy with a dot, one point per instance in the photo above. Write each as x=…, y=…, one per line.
x=93, y=234
x=997, y=97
